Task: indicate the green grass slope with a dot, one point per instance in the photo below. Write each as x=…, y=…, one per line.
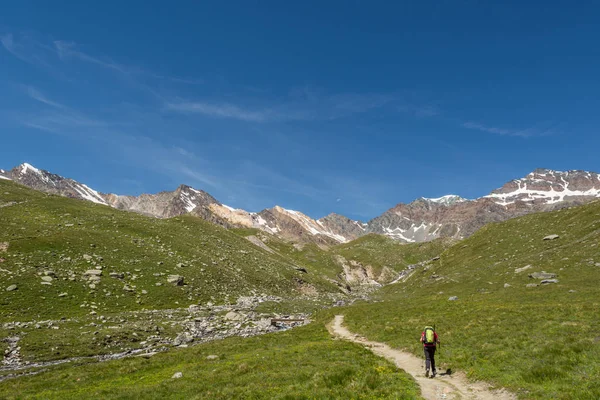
x=68, y=237
x=541, y=342
x=302, y=363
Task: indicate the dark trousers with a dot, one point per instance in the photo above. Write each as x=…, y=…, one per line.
x=429, y=357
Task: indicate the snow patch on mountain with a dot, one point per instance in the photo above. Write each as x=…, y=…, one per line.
x=188, y=201
x=446, y=200
x=3, y=174
x=88, y=193
x=310, y=225
x=548, y=187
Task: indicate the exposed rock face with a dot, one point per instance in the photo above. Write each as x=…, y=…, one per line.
x=45, y=181
x=184, y=199
x=343, y=226
x=545, y=187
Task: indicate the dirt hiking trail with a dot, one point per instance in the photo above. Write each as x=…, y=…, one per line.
x=443, y=386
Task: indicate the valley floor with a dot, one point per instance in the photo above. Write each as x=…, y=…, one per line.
x=448, y=385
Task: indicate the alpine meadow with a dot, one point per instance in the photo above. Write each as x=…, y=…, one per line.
x=299, y=200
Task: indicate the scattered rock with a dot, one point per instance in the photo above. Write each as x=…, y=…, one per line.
x=117, y=275
x=177, y=375
x=532, y=285
x=194, y=308
x=183, y=338
x=507, y=285
x=551, y=237
x=180, y=265
x=46, y=283
x=11, y=288
x=62, y=294
x=128, y=288
x=212, y=357
x=93, y=272
x=303, y=270
x=547, y=281
x=453, y=298
x=47, y=278
x=233, y=316
x=572, y=291
x=542, y=275
x=519, y=270
x=175, y=280
x=87, y=257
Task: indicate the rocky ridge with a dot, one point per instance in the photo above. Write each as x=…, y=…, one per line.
x=421, y=220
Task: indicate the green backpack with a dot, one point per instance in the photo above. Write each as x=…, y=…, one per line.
x=429, y=337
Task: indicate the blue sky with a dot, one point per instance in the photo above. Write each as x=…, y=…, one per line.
x=347, y=107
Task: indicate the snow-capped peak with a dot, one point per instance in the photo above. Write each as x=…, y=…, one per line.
x=547, y=186
x=28, y=167
x=446, y=200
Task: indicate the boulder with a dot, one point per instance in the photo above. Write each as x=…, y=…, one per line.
x=93, y=272
x=117, y=275
x=542, y=275
x=47, y=278
x=551, y=237
x=233, y=316
x=519, y=270
x=175, y=280
x=183, y=338
x=11, y=288
x=547, y=281
x=531, y=285
x=177, y=375
x=453, y=298
x=212, y=357
x=507, y=285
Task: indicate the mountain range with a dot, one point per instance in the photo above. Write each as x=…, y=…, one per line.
x=422, y=220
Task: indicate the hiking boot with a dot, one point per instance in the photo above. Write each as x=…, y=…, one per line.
x=426, y=373
x=433, y=373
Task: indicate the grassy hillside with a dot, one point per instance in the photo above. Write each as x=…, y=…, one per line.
x=380, y=251
x=49, y=243
x=540, y=341
x=303, y=363
x=63, y=238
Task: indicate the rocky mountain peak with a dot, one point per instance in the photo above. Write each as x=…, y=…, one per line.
x=446, y=200
x=28, y=175
x=545, y=186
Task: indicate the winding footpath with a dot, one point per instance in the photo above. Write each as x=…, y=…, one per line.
x=443, y=386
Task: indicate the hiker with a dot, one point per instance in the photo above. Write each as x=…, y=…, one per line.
x=430, y=339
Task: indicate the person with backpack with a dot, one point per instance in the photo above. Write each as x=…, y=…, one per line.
x=430, y=340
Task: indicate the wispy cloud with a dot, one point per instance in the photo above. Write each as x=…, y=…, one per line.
x=44, y=53
x=37, y=95
x=59, y=119
x=524, y=133
x=308, y=107
x=67, y=50
x=221, y=111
